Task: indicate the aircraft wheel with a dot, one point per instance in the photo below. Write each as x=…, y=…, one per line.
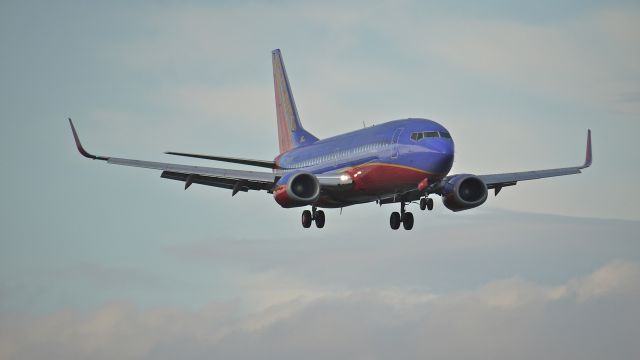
x=407, y=221
x=429, y=204
x=306, y=219
x=394, y=220
x=319, y=218
x=423, y=203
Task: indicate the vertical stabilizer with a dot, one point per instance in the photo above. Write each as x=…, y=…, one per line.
x=290, y=131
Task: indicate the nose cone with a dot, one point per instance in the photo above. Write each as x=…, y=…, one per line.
x=440, y=156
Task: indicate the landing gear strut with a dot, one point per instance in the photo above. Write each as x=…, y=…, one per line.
x=426, y=203
x=404, y=217
x=314, y=215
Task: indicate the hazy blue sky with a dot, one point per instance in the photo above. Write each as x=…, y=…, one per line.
x=100, y=261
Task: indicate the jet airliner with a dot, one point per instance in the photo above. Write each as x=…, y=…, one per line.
x=401, y=161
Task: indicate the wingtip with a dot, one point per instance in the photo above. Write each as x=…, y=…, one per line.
x=81, y=149
x=589, y=154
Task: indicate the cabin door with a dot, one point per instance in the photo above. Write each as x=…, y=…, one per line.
x=394, y=142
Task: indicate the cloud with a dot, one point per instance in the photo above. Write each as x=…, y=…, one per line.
x=588, y=56
x=585, y=318
x=446, y=251
x=613, y=278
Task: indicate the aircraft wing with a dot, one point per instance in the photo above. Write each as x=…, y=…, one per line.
x=497, y=181
x=251, y=162
x=238, y=180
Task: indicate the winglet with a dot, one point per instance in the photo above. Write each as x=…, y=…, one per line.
x=82, y=151
x=589, y=157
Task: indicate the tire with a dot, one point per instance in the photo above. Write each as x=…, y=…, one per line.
x=430, y=204
x=407, y=221
x=394, y=220
x=423, y=203
x=306, y=219
x=319, y=218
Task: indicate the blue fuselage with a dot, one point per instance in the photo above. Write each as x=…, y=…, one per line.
x=383, y=159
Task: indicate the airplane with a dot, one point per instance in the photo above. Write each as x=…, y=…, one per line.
x=401, y=161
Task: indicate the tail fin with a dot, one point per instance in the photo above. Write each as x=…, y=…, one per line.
x=290, y=131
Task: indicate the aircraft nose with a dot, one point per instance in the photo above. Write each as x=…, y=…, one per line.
x=442, y=157
x=441, y=147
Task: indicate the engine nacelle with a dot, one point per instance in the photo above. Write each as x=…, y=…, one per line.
x=297, y=189
x=464, y=192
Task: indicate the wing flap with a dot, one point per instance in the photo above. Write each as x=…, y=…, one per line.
x=239, y=184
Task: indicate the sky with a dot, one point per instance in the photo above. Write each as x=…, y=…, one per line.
x=99, y=261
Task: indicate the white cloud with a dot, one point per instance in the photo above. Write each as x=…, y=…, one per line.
x=499, y=320
x=588, y=57
x=609, y=279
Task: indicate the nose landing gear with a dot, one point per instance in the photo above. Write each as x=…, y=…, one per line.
x=404, y=217
x=426, y=203
x=314, y=215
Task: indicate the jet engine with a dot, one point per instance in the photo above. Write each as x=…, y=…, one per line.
x=297, y=189
x=464, y=192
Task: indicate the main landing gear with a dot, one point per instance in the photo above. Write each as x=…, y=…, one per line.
x=404, y=217
x=314, y=215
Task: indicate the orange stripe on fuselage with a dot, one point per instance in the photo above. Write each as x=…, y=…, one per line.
x=391, y=165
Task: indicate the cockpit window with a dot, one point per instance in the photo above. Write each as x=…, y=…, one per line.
x=417, y=136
